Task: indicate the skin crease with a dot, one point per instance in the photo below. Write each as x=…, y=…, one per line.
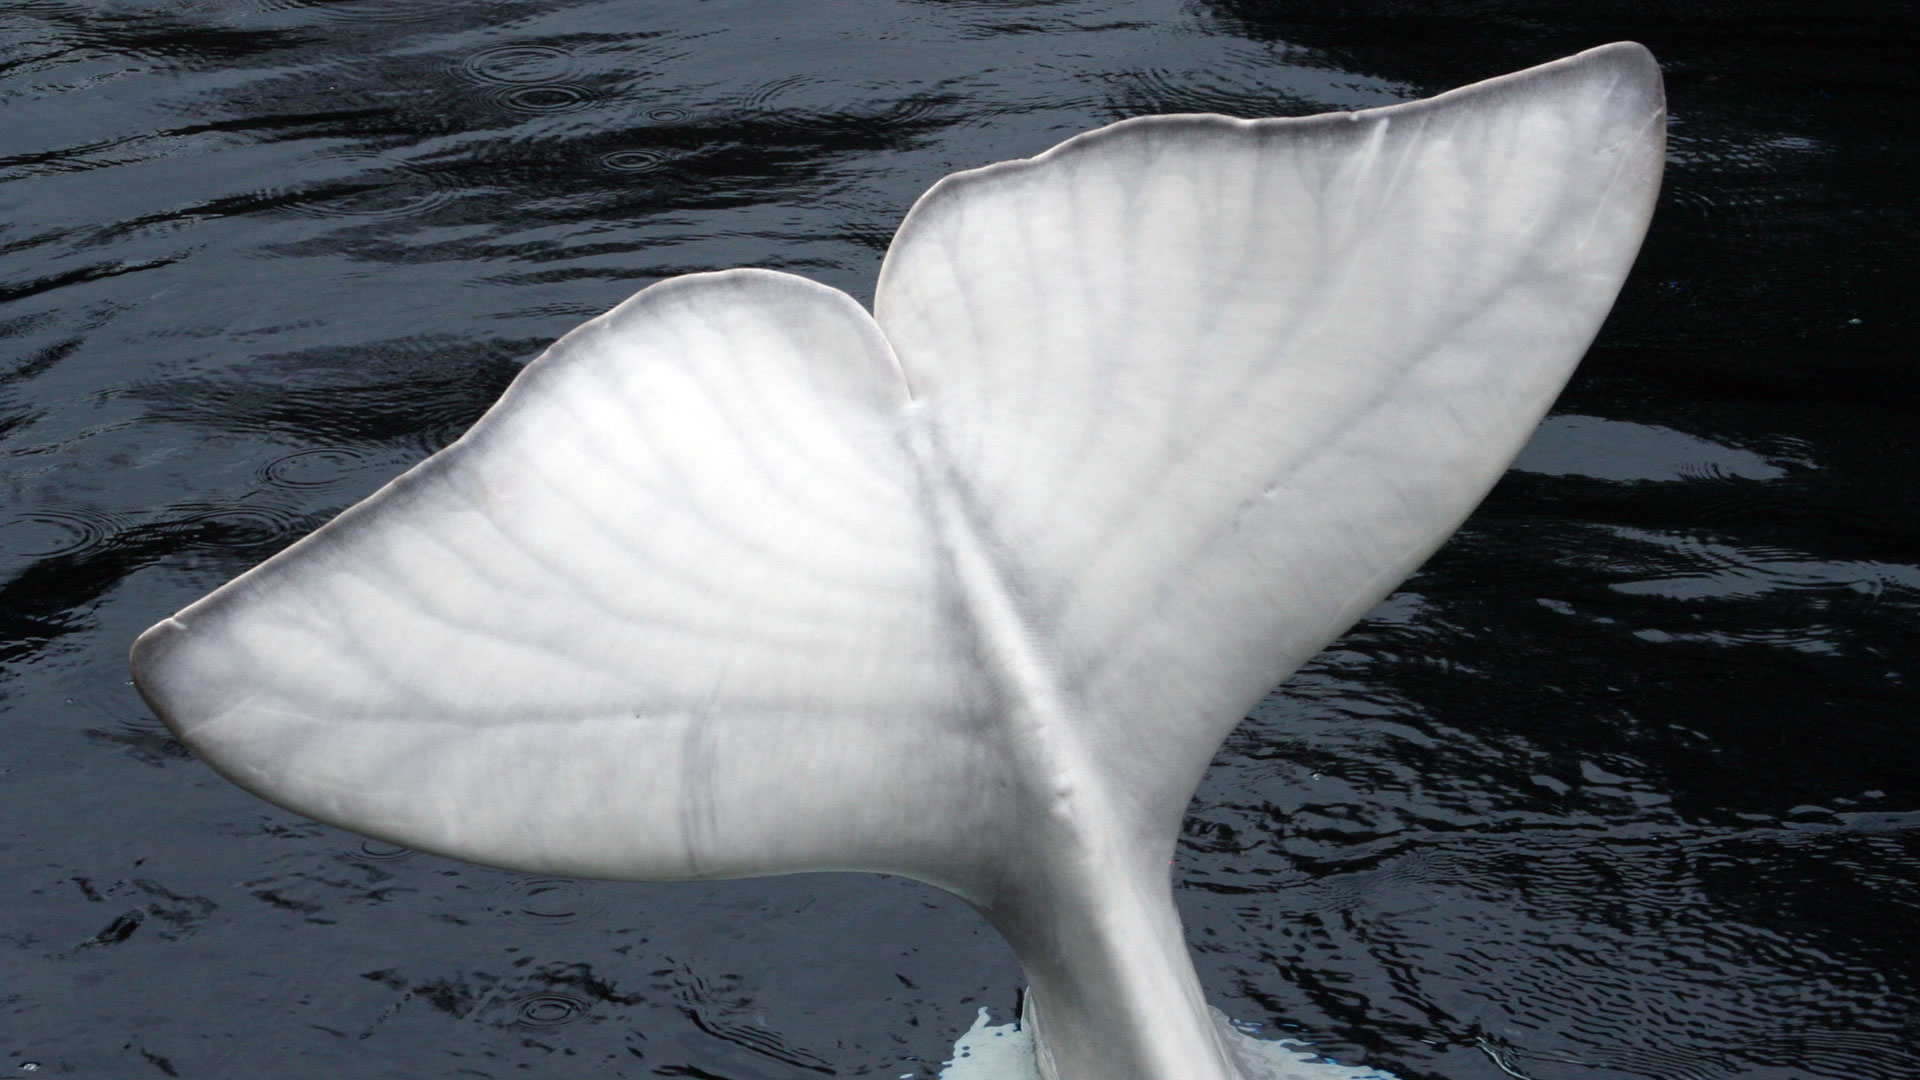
x=970, y=589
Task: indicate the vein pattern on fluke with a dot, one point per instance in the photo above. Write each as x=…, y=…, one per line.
x=737, y=579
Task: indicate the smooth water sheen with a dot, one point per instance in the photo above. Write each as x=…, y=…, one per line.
x=1624, y=784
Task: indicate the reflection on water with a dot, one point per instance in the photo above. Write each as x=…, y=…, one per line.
x=1589, y=446
x=1623, y=784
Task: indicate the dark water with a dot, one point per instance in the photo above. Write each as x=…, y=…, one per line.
x=1625, y=784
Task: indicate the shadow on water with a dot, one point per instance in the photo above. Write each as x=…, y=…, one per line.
x=1623, y=784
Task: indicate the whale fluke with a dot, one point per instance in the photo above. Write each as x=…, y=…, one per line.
x=737, y=579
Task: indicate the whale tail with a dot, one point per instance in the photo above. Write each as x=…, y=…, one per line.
x=737, y=579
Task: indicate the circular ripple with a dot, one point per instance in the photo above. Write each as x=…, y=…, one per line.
x=245, y=528
x=261, y=6
x=316, y=467
x=545, y=98
x=378, y=851
x=520, y=64
x=806, y=103
x=556, y=899
x=634, y=161
x=548, y=1010
x=548, y=901
x=384, y=191
x=56, y=532
x=778, y=97
x=1732, y=184
x=529, y=77
x=667, y=115
x=383, y=11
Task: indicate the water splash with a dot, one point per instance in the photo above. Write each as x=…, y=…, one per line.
x=990, y=1051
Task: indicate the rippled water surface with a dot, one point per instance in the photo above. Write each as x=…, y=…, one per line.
x=1625, y=783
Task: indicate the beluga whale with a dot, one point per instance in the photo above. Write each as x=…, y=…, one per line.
x=740, y=579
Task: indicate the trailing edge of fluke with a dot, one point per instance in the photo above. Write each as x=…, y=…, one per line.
x=737, y=579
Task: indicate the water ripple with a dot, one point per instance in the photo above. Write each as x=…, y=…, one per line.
x=67, y=532
x=380, y=851
x=548, y=1010
x=635, y=160
x=1724, y=180
x=515, y=63
x=317, y=468
x=547, y=901
x=370, y=187
x=260, y=528
x=387, y=12
x=1623, y=785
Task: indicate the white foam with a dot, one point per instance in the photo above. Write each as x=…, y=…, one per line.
x=990, y=1051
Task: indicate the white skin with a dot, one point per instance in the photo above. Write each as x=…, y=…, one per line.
x=739, y=580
